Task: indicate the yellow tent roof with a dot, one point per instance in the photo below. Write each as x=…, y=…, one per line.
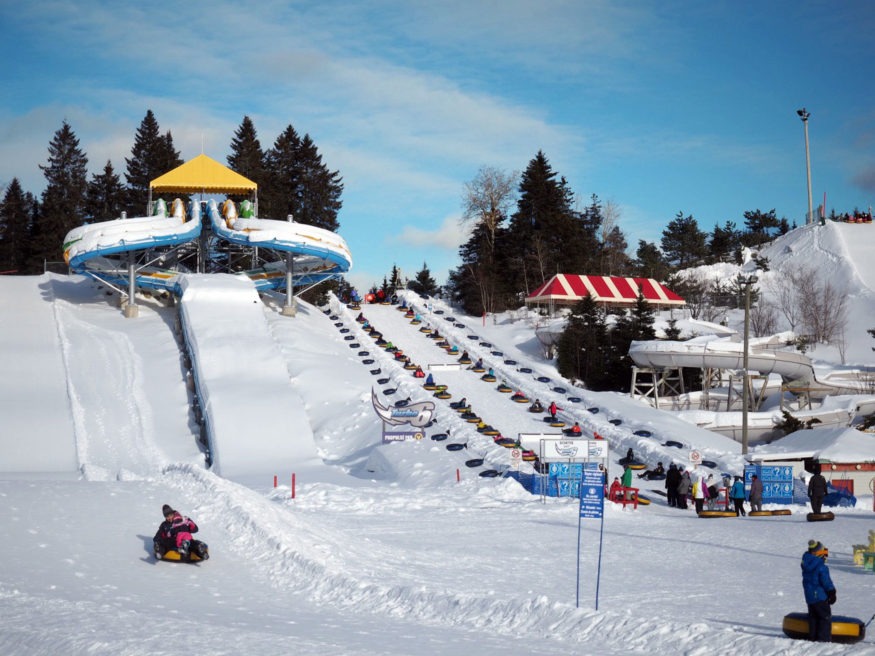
x=202, y=174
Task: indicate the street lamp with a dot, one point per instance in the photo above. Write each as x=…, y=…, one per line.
x=746, y=283
x=804, y=114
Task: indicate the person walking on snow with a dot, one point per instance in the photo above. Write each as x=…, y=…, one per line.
x=736, y=493
x=820, y=593
x=672, y=482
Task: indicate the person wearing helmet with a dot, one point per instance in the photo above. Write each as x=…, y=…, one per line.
x=820, y=593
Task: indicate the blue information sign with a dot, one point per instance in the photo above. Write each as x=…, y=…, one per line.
x=777, y=482
x=592, y=494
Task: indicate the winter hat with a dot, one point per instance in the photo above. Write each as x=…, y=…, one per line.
x=814, y=546
x=167, y=510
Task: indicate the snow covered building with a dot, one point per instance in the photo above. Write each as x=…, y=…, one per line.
x=846, y=456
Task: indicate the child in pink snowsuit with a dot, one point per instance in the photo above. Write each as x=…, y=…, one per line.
x=176, y=530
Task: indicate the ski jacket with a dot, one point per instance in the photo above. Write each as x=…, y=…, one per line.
x=756, y=490
x=627, y=477
x=817, y=486
x=737, y=491
x=816, y=582
x=175, y=525
x=684, y=485
x=672, y=478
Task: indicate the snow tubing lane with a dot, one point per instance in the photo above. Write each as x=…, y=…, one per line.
x=474, y=462
x=455, y=447
x=847, y=630
x=820, y=517
x=705, y=514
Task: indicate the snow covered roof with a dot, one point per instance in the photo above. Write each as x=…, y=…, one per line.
x=570, y=288
x=839, y=444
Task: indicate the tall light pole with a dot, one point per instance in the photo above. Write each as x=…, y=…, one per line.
x=804, y=114
x=746, y=283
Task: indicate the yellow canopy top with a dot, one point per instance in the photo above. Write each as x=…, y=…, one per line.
x=202, y=174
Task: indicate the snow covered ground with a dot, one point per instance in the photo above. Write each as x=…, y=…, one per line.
x=395, y=549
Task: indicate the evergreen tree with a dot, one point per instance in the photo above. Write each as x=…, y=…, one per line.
x=63, y=203
x=319, y=189
x=683, y=243
x=395, y=283
x=16, y=214
x=247, y=157
x=649, y=262
x=423, y=283
x=279, y=200
x=106, y=196
x=544, y=236
x=724, y=241
x=615, y=262
x=633, y=325
x=761, y=227
x=152, y=155
x=580, y=352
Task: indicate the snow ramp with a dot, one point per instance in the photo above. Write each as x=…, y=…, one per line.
x=34, y=408
x=256, y=424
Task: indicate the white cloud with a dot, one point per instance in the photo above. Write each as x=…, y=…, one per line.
x=450, y=234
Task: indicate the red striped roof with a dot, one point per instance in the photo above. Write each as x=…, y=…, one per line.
x=570, y=288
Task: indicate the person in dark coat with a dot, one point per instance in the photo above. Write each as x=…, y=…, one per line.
x=672, y=480
x=174, y=533
x=756, y=493
x=817, y=491
x=820, y=593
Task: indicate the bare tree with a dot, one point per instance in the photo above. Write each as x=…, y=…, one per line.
x=763, y=319
x=786, y=290
x=824, y=310
x=488, y=199
x=486, y=202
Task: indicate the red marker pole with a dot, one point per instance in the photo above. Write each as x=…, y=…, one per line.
x=293, y=486
x=274, y=480
x=458, y=476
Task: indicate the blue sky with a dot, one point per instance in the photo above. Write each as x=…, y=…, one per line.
x=656, y=107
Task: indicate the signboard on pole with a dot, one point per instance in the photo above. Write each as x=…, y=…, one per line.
x=403, y=422
x=592, y=494
x=572, y=450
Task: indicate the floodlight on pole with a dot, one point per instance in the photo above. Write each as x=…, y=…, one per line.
x=745, y=393
x=804, y=114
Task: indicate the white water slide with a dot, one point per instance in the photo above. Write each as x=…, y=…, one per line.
x=104, y=250
x=764, y=357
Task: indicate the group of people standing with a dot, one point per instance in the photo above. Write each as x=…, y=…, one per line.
x=682, y=485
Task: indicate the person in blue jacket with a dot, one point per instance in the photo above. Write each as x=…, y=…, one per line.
x=736, y=493
x=820, y=593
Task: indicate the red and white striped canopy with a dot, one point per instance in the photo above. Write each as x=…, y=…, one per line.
x=570, y=288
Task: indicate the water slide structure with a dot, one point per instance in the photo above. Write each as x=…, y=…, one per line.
x=151, y=252
x=840, y=395
x=215, y=257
